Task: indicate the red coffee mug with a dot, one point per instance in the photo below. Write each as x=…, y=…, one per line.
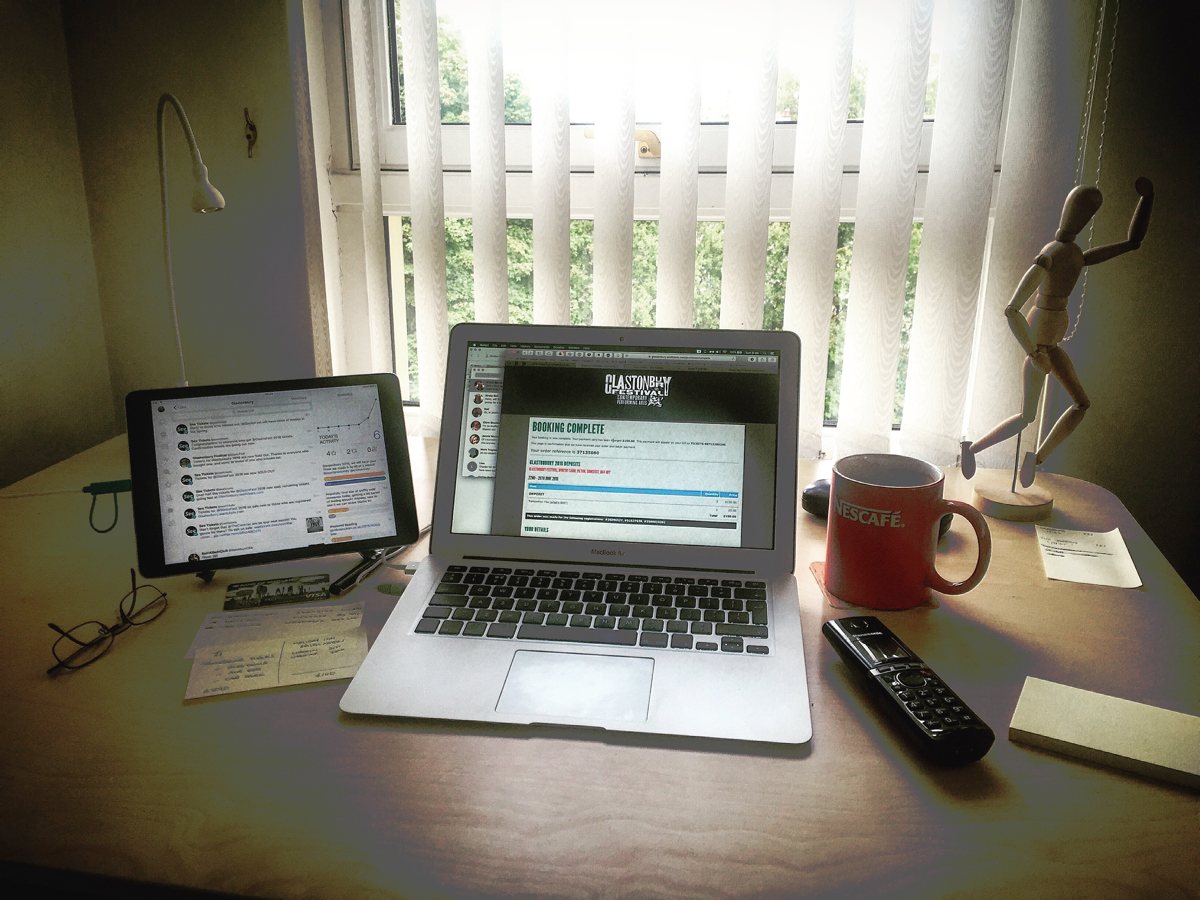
x=882, y=535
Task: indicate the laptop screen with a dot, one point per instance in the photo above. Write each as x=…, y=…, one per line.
x=613, y=442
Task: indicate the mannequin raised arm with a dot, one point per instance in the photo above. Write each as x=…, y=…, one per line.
x=1138, y=226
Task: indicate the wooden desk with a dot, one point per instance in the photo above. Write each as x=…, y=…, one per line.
x=276, y=793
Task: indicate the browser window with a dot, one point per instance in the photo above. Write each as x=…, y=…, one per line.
x=595, y=442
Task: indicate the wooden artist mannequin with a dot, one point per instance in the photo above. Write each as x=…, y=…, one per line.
x=1049, y=282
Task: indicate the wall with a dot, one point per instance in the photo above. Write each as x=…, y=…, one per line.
x=242, y=277
x=1138, y=346
x=55, y=394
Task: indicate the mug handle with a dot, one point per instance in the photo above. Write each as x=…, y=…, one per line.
x=982, y=534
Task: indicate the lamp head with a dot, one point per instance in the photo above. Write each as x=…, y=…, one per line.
x=205, y=197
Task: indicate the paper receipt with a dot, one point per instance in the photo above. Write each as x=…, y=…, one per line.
x=1089, y=557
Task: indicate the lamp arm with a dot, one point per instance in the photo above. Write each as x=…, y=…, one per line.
x=166, y=225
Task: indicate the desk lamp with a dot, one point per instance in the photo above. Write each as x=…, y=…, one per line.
x=205, y=198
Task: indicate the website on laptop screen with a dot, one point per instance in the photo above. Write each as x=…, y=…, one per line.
x=645, y=444
x=261, y=472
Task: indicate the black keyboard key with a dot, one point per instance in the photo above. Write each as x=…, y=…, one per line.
x=450, y=589
x=752, y=631
x=604, y=622
x=651, y=639
x=758, y=611
x=677, y=627
x=760, y=649
x=731, y=644
x=652, y=625
x=577, y=635
x=450, y=626
x=534, y=618
x=463, y=615
x=705, y=645
x=427, y=626
x=628, y=624
x=556, y=619
x=681, y=641
x=702, y=628
x=510, y=615
x=437, y=612
x=448, y=600
x=501, y=630
x=750, y=593
x=581, y=621
x=474, y=629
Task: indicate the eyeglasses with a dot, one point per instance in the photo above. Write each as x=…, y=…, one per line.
x=87, y=642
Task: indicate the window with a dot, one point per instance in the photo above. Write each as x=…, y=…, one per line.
x=744, y=197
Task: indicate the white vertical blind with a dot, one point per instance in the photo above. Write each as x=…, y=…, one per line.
x=898, y=64
x=828, y=35
x=753, y=74
x=424, y=119
x=678, y=36
x=974, y=61
x=676, y=275
x=1048, y=88
x=395, y=237
x=485, y=80
x=612, y=236
x=366, y=106
x=551, y=173
x=683, y=45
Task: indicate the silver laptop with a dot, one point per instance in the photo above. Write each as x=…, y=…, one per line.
x=613, y=539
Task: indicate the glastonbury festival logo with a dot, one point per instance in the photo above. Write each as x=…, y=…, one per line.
x=638, y=390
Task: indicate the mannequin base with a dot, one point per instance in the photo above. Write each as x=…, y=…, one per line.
x=993, y=497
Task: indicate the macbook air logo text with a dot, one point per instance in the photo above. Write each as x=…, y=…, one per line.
x=880, y=518
x=597, y=551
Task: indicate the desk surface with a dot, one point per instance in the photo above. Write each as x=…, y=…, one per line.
x=277, y=793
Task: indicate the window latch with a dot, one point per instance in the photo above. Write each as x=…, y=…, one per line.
x=648, y=144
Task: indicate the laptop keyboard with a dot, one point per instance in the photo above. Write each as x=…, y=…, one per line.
x=624, y=609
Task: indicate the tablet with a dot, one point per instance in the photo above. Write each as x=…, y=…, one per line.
x=243, y=474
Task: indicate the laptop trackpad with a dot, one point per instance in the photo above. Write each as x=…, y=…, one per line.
x=546, y=687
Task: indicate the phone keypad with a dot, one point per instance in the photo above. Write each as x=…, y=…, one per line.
x=929, y=701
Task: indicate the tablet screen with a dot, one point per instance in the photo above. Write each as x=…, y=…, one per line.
x=243, y=474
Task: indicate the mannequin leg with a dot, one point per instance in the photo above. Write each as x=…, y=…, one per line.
x=1064, y=371
x=1034, y=378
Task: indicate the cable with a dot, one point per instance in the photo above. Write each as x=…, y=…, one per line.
x=96, y=488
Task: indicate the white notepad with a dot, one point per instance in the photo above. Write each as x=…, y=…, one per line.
x=1147, y=740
